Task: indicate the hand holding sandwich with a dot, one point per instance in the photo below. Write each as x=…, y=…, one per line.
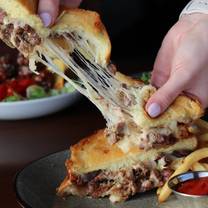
x=48, y=10
x=181, y=65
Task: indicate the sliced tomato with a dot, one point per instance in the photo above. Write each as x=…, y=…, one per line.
x=11, y=86
x=3, y=91
x=19, y=86
x=10, y=91
x=24, y=83
x=12, y=83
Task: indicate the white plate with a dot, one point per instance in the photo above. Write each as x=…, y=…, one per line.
x=36, y=108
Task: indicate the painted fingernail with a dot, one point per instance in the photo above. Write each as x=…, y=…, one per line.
x=154, y=110
x=46, y=18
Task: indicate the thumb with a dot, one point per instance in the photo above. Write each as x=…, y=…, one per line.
x=48, y=11
x=165, y=95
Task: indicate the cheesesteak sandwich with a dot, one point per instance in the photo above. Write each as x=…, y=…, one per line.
x=134, y=153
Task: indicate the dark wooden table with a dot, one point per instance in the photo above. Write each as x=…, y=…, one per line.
x=24, y=141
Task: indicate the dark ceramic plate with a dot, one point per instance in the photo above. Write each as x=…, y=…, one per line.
x=36, y=185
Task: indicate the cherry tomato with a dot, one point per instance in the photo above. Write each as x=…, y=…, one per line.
x=23, y=84
x=19, y=86
x=3, y=91
x=12, y=83
x=10, y=91
x=11, y=87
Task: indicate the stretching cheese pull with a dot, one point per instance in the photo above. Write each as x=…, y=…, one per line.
x=80, y=41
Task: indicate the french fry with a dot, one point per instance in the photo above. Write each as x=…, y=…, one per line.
x=186, y=165
x=205, y=165
x=159, y=190
x=198, y=167
x=176, y=163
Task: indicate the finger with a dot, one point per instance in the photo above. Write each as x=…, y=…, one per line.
x=200, y=95
x=162, y=65
x=165, y=95
x=48, y=11
x=196, y=90
x=71, y=3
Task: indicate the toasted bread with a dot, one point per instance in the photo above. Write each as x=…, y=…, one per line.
x=94, y=158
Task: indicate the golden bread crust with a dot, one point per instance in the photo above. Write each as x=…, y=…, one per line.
x=89, y=25
x=94, y=153
x=182, y=110
x=129, y=81
x=63, y=186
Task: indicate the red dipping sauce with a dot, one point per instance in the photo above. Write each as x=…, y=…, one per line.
x=194, y=187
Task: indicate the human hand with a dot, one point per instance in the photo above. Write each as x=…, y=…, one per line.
x=48, y=9
x=181, y=65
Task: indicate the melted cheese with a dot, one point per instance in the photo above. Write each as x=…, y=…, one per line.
x=115, y=101
x=99, y=85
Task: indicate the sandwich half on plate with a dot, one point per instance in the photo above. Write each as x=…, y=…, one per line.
x=140, y=160
x=99, y=169
x=135, y=153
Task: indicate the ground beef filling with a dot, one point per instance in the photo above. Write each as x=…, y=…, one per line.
x=24, y=38
x=156, y=140
x=146, y=139
x=124, y=182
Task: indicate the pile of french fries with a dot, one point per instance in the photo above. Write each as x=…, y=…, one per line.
x=190, y=162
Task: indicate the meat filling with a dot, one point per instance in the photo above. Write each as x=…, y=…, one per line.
x=155, y=139
x=24, y=38
x=122, y=184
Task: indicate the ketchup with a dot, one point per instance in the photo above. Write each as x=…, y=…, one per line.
x=194, y=187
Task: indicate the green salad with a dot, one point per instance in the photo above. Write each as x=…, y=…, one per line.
x=18, y=83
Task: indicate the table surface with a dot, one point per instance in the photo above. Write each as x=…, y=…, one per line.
x=24, y=141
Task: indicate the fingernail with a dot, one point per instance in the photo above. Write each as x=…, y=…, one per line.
x=154, y=110
x=46, y=18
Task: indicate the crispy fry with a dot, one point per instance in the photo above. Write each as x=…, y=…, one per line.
x=186, y=165
x=159, y=190
x=176, y=163
x=205, y=165
x=198, y=167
